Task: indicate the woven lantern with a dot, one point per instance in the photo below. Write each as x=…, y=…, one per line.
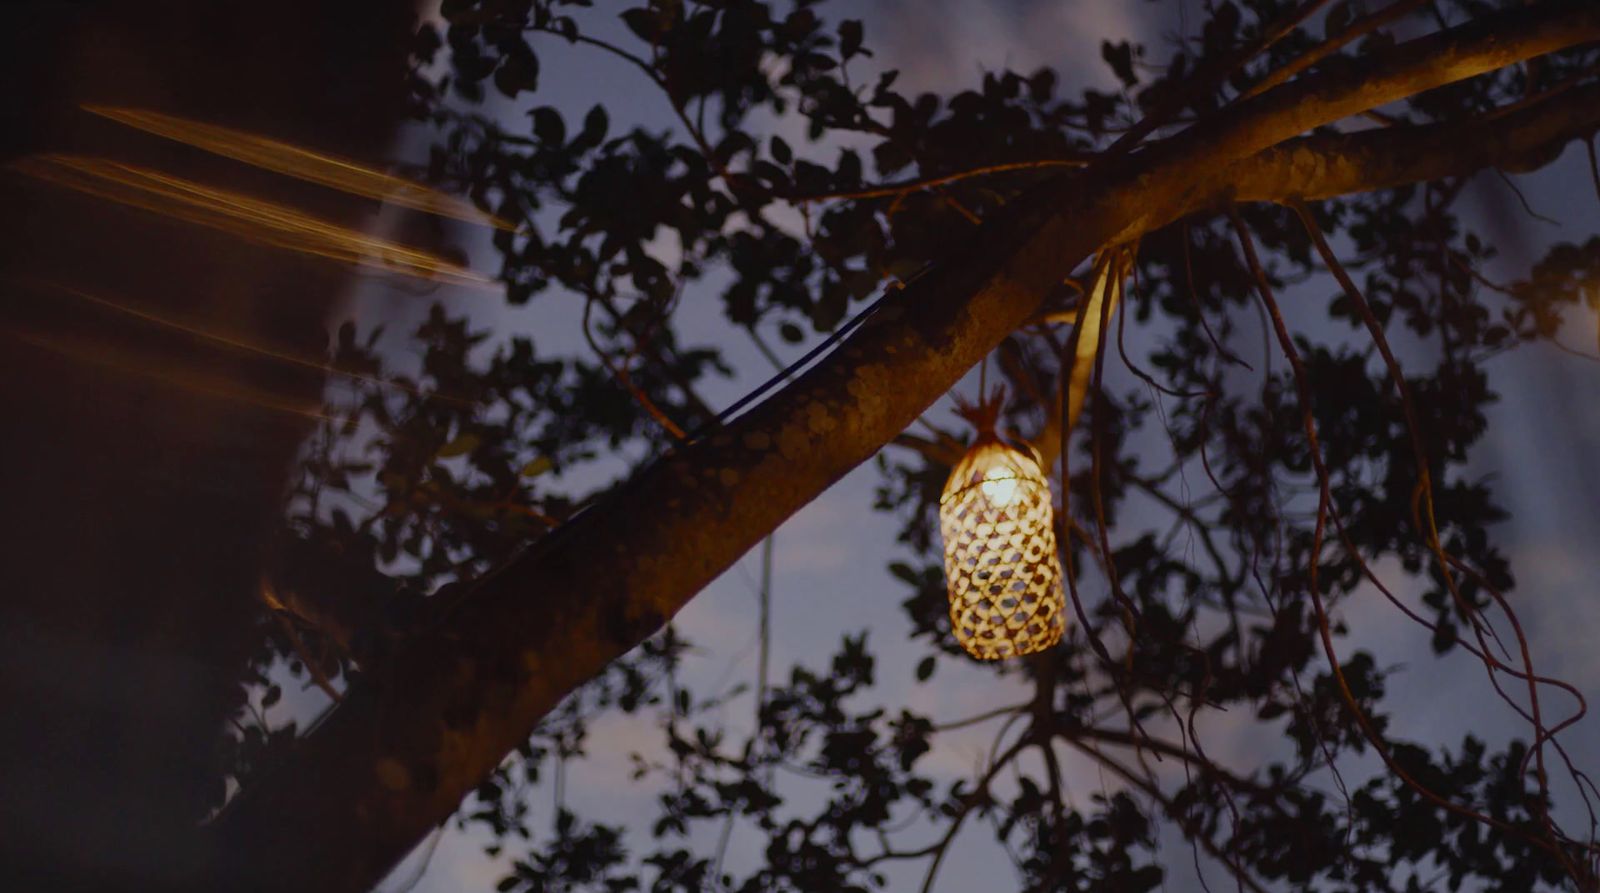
x=1006, y=598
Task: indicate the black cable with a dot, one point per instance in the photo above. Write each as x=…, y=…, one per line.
x=792, y=369
x=554, y=537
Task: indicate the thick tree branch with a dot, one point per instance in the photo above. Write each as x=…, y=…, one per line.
x=1321, y=167
x=396, y=757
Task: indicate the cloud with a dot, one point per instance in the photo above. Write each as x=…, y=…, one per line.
x=945, y=45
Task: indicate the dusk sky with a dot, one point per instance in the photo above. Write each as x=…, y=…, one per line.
x=829, y=573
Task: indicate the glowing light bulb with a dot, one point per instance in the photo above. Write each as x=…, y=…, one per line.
x=999, y=486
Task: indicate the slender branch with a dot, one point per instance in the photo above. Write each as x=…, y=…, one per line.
x=1357, y=30
x=1429, y=529
x=1363, y=722
x=1209, y=78
x=980, y=792
x=1188, y=827
x=1556, y=89
x=312, y=665
x=981, y=717
x=611, y=48
x=619, y=371
x=1207, y=767
x=928, y=182
x=1319, y=167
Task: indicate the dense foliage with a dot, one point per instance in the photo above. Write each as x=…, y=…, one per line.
x=1195, y=432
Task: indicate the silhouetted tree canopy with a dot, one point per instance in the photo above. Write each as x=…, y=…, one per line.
x=479, y=550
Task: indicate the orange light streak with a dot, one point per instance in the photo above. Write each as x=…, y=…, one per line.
x=99, y=353
x=280, y=157
x=252, y=219
x=240, y=344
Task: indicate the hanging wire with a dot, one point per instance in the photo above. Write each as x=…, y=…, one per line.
x=795, y=367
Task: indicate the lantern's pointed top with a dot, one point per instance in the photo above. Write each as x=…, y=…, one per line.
x=984, y=415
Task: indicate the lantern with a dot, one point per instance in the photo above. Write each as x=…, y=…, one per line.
x=1000, y=555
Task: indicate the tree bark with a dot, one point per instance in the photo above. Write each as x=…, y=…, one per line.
x=1319, y=167
x=401, y=751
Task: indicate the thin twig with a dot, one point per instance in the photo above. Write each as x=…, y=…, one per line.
x=1423, y=494
x=979, y=793
x=620, y=373
x=1189, y=829
x=1357, y=30
x=920, y=183
x=1302, y=387
x=1207, y=81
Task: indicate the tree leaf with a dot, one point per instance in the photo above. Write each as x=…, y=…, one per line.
x=548, y=126
x=462, y=445
x=642, y=22
x=1120, y=57
x=850, y=39
x=537, y=467
x=1088, y=343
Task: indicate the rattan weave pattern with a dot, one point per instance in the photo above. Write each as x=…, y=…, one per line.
x=1004, y=575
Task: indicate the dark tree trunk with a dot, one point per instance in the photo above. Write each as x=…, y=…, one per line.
x=139, y=478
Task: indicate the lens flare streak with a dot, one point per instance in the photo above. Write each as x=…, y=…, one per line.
x=98, y=353
x=250, y=347
x=290, y=160
x=240, y=215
